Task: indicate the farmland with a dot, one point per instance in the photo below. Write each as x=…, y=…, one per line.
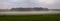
x=45, y=17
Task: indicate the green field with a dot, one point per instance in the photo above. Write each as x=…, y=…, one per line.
x=42, y=17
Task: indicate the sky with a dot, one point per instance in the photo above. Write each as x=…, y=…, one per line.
x=8, y=4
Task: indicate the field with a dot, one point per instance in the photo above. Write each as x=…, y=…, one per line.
x=30, y=17
x=41, y=17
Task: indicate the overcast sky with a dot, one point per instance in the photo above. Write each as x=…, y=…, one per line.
x=51, y=4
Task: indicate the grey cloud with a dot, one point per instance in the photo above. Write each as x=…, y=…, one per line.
x=30, y=3
x=55, y=5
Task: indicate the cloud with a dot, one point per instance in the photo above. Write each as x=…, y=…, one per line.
x=54, y=5
x=30, y=3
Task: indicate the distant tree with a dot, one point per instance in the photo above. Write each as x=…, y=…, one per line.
x=12, y=9
x=38, y=8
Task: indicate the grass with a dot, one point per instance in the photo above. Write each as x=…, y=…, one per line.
x=44, y=17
